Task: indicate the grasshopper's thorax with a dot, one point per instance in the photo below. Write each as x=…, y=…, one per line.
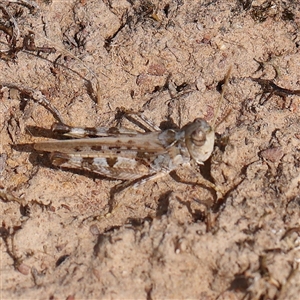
x=199, y=139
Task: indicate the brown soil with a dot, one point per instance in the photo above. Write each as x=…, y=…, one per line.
x=166, y=239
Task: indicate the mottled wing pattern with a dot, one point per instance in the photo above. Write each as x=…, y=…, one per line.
x=121, y=157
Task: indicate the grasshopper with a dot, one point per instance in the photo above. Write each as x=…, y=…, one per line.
x=130, y=155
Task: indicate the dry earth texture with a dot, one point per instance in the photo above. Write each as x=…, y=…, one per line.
x=166, y=239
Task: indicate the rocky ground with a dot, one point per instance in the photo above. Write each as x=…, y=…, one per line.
x=166, y=239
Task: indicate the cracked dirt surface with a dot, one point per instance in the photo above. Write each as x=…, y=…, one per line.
x=167, y=239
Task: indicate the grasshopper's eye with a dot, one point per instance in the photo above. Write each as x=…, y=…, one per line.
x=198, y=137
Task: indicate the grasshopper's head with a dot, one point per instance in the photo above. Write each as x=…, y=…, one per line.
x=199, y=140
x=200, y=136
